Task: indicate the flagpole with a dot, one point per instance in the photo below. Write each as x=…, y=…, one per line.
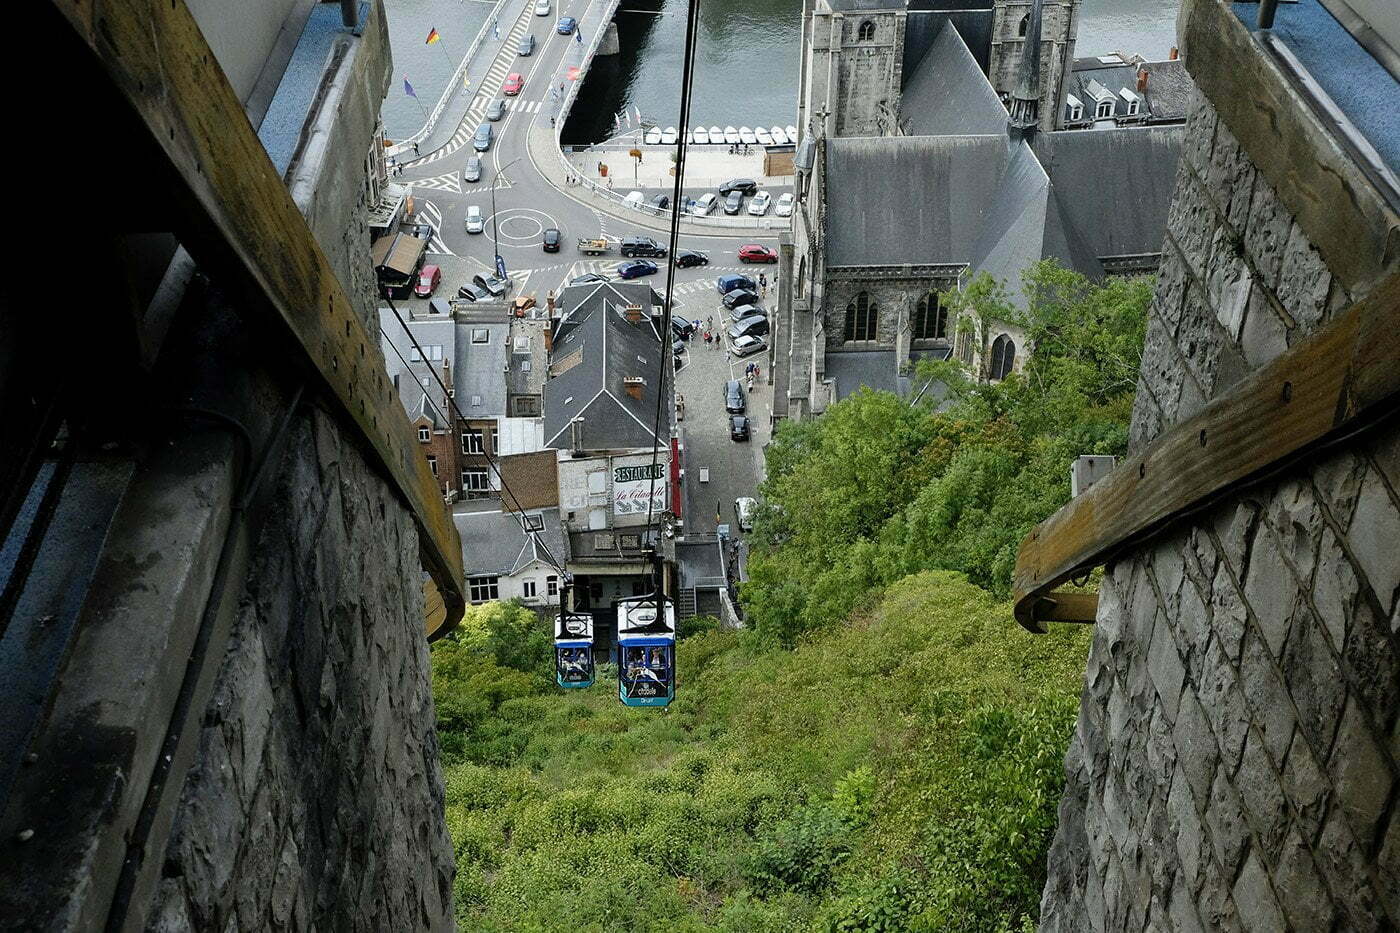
x=408, y=89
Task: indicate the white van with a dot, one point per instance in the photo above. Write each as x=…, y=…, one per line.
x=744, y=507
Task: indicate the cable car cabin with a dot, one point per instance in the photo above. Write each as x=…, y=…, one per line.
x=646, y=652
x=573, y=650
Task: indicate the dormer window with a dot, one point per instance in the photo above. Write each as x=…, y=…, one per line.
x=1133, y=103
x=867, y=31
x=1104, y=110
x=1075, y=108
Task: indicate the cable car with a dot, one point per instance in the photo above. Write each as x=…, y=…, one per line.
x=573, y=650
x=646, y=651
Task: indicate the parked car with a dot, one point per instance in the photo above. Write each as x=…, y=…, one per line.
x=759, y=205
x=496, y=110
x=473, y=170
x=752, y=252
x=744, y=507
x=734, y=201
x=635, y=200
x=642, y=246
x=746, y=185
x=514, y=82
x=659, y=203
x=742, y=311
x=677, y=346
x=551, y=239
x=566, y=25
x=526, y=46
x=682, y=327
x=728, y=283
x=784, y=205
x=475, y=222
x=429, y=278
x=588, y=278
x=687, y=258
x=473, y=292
x=496, y=284
x=734, y=402
x=755, y=325
x=542, y=8
x=739, y=296
x=635, y=269
x=739, y=427
x=481, y=141
x=522, y=304
x=748, y=345
x=705, y=205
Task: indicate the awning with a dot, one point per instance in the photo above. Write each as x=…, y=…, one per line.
x=399, y=254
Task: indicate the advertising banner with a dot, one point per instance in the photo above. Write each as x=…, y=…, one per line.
x=633, y=484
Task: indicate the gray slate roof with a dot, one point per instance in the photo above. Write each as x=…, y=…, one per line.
x=494, y=544
x=600, y=349
x=418, y=400
x=1168, y=93
x=479, y=372
x=947, y=94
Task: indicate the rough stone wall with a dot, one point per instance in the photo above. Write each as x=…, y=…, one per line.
x=1234, y=766
x=316, y=799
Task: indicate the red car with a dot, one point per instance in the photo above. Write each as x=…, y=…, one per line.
x=429, y=277
x=752, y=252
x=514, y=82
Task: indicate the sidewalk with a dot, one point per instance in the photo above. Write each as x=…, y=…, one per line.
x=706, y=167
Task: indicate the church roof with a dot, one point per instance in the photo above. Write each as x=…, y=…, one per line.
x=847, y=6
x=947, y=94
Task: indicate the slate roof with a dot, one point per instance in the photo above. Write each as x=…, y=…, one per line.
x=494, y=544
x=479, y=371
x=595, y=349
x=947, y=94
x=1168, y=91
x=847, y=6
x=418, y=400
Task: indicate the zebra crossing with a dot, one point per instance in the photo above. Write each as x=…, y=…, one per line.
x=432, y=215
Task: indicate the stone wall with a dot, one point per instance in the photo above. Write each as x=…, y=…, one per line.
x=1234, y=766
x=1059, y=23
x=316, y=799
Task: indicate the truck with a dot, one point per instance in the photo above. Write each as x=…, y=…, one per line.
x=642, y=246
x=596, y=246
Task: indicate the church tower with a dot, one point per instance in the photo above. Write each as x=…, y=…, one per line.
x=852, y=67
x=1049, y=27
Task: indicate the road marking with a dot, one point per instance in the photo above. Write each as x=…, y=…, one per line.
x=449, y=182
x=433, y=217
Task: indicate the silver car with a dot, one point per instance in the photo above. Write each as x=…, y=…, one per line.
x=475, y=222
x=496, y=110
x=705, y=205
x=473, y=170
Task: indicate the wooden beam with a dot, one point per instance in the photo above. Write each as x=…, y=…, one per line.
x=242, y=221
x=1343, y=379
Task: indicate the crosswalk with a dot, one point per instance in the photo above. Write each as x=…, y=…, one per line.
x=433, y=216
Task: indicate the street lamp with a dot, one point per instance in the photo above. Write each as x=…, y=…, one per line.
x=495, y=224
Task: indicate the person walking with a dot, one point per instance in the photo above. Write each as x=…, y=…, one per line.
x=726, y=354
x=551, y=123
x=415, y=149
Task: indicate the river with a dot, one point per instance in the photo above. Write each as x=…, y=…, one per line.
x=746, y=65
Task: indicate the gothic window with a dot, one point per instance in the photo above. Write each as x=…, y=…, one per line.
x=1003, y=357
x=930, y=320
x=801, y=276
x=1025, y=25
x=861, y=316
x=964, y=344
x=867, y=31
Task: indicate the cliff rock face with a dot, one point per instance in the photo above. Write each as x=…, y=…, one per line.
x=316, y=799
x=1234, y=763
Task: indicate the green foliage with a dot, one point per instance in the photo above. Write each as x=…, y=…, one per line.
x=878, y=488
x=891, y=773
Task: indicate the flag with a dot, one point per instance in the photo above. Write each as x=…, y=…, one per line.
x=638, y=111
x=408, y=88
x=432, y=36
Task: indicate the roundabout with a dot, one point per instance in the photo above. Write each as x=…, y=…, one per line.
x=521, y=226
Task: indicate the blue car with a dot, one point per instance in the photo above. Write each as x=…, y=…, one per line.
x=635, y=269
x=565, y=26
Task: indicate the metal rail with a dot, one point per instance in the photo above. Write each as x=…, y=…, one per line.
x=1343, y=380
x=238, y=219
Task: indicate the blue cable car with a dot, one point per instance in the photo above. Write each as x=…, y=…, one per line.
x=646, y=651
x=573, y=650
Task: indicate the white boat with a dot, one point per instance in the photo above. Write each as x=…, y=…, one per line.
x=716, y=135
x=779, y=137
x=700, y=136
x=668, y=136
x=746, y=136
x=792, y=133
x=653, y=136
x=731, y=135
x=764, y=137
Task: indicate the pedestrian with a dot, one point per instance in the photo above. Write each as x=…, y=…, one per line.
x=707, y=336
x=757, y=372
x=762, y=279
x=551, y=123
x=726, y=354
x=415, y=149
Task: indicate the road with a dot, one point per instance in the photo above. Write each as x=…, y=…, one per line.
x=528, y=200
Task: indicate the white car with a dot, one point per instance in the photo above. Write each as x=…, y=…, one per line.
x=705, y=205
x=784, y=206
x=475, y=223
x=744, y=507
x=542, y=8
x=758, y=204
x=635, y=200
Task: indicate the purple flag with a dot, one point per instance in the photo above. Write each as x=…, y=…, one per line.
x=408, y=88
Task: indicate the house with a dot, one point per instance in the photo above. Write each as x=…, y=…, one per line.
x=512, y=555
x=1114, y=90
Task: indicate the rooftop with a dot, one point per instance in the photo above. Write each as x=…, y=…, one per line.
x=947, y=94
x=493, y=542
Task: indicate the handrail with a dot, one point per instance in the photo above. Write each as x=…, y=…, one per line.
x=241, y=221
x=1321, y=392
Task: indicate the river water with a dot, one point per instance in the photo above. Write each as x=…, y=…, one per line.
x=746, y=66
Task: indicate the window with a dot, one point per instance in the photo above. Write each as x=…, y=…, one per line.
x=526, y=406
x=1003, y=357
x=534, y=522
x=432, y=464
x=1105, y=109
x=495, y=440
x=476, y=483
x=1025, y=26
x=472, y=441
x=930, y=320
x=483, y=589
x=528, y=589
x=424, y=435
x=481, y=335
x=1076, y=113
x=1133, y=107
x=964, y=342
x=430, y=352
x=801, y=276
x=861, y=317
x=630, y=541
x=551, y=585
x=867, y=31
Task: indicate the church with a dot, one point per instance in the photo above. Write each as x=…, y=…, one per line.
x=933, y=150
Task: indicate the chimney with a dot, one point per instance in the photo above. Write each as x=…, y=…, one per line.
x=1174, y=54
x=634, y=314
x=549, y=301
x=549, y=336
x=576, y=436
x=447, y=374
x=1142, y=80
x=632, y=385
